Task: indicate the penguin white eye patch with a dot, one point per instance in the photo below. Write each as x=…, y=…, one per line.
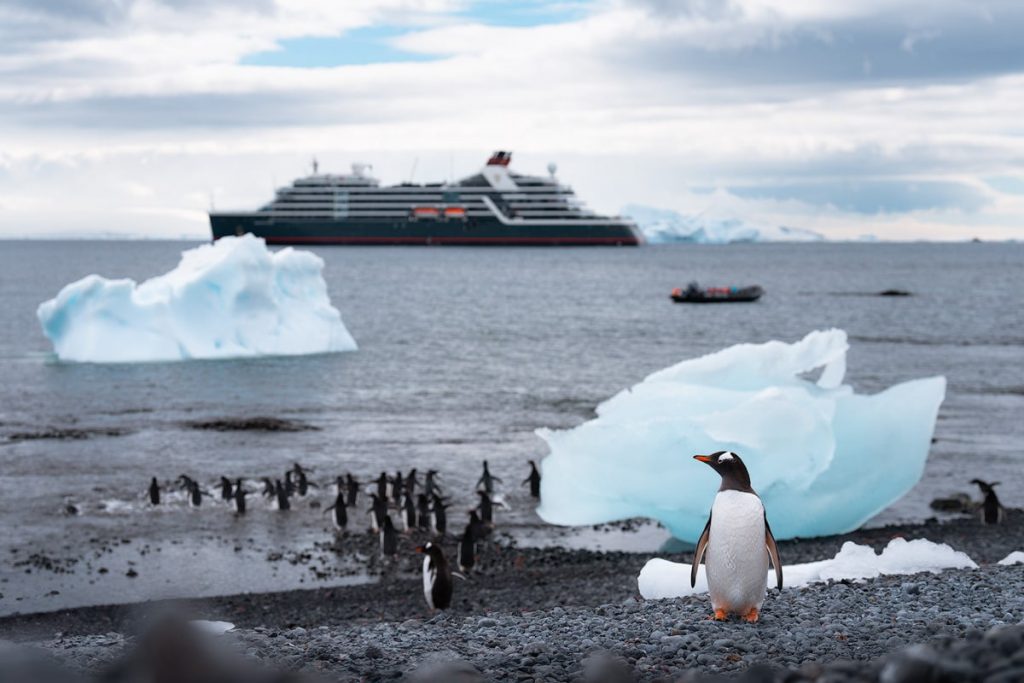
x=725, y=456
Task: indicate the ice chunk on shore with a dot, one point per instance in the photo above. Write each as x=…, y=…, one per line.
x=823, y=458
x=228, y=299
x=1016, y=557
x=213, y=628
x=663, y=579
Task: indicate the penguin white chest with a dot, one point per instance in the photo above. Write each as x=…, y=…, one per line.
x=736, y=558
x=429, y=575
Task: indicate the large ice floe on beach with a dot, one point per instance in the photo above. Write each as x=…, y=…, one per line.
x=665, y=226
x=663, y=579
x=823, y=458
x=232, y=298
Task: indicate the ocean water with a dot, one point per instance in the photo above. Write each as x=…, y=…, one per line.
x=463, y=353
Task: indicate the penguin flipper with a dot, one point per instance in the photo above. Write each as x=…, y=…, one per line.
x=698, y=554
x=773, y=552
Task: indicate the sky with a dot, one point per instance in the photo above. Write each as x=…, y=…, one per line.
x=900, y=119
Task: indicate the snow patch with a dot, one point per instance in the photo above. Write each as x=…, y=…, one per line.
x=823, y=458
x=213, y=628
x=232, y=298
x=664, y=226
x=663, y=579
x=1016, y=557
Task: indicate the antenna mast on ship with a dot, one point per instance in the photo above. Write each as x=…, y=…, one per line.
x=316, y=165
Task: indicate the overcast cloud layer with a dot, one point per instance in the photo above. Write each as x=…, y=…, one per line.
x=900, y=118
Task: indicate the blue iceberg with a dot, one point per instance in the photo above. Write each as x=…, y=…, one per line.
x=232, y=298
x=823, y=458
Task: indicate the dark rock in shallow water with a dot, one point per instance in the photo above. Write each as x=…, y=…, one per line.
x=66, y=433
x=960, y=502
x=253, y=424
x=894, y=292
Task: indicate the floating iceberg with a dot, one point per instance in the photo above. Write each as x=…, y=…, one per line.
x=823, y=458
x=663, y=226
x=663, y=579
x=227, y=299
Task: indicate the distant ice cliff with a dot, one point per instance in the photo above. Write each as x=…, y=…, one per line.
x=663, y=226
x=232, y=298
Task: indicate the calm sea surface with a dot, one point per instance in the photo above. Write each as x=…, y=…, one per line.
x=463, y=353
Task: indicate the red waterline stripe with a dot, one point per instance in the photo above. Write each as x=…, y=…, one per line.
x=452, y=240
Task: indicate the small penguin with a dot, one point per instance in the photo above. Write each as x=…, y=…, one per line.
x=269, y=490
x=440, y=517
x=353, y=489
x=301, y=483
x=467, y=551
x=239, y=495
x=378, y=511
x=477, y=529
x=409, y=513
x=486, y=508
x=991, y=510
x=388, y=538
x=437, y=577
x=738, y=542
x=422, y=511
x=382, y=486
x=340, y=515
x=226, y=492
x=289, y=484
x=430, y=484
x=397, y=488
x=195, y=494
x=281, y=494
x=411, y=481
x=533, y=480
x=154, y=492
x=487, y=480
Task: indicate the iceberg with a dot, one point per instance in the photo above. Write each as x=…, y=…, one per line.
x=661, y=579
x=664, y=226
x=823, y=458
x=232, y=298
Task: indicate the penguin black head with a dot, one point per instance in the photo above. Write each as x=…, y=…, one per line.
x=734, y=473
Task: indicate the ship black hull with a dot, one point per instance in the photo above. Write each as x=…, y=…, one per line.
x=423, y=232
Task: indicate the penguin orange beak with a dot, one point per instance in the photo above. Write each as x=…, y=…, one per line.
x=703, y=458
x=420, y=549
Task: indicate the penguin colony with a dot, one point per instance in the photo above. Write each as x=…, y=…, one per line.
x=418, y=509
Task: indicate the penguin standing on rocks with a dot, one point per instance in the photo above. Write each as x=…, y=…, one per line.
x=340, y=515
x=467, y=551
x=422, y=511
x=991, y=510
x=486, y=508
x=533, y=480
x=411, y=480
x=382, y=486
x=430, y=483
x=437, y=577
x=239, y=496
x=378, y=511
x=281, y=493
x=226, y=491
x=388, y=538
x=397, y=488
x=269, y=491
x=154, y=492
x=440, y=517
x=409, y=513
x=487, y=480
x=476, y=528
x=289, y=484
x=353, y=489
x=738, y=542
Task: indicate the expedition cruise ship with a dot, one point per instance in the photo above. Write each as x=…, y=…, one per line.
x=493, y=207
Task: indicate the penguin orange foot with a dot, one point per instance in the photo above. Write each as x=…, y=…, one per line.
x=720, y=615
x=751, y=616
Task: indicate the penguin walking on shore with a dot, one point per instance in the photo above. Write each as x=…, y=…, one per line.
x=281, y=494
x=408, y=513
x=340, y=516
x=486, y=508
x=476, y=528
x=154, y=492
x=422, y=511
x=533, y=480
x=411, y=481
x=269, y=491
x=397, y=488
x=388, y=538
x=467, y=551
x=487, y=480
x=289, y=484
x=382, y=486
x=430, y=484
x=991, y=510
x=226, y=490
x=440, y=517
x=239, y=495
x=738, y=543
x=437, y=577
x=352, y=487
x=378, y=511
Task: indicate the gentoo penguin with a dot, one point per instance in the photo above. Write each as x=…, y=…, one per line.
x=738, y=542
x=409, y=513
x=467, y=551
x=437, y=577
x=239, y=495
x=533, y=480
x=440, y=517
x=410, y=483
x=430, y=483
x=353, y=489
x=487, y=480
x=388, y=538
x=476, y=528
x=226, y=493
x=991, y=509
x=378, y=511
x=289, y=484
x=154, y=492
x=397, y=488
x=281, y=493
x=269, y=491
x=486, y=508
x=301, y=482
x=423, y=511
x=195, y=494
x=382, y=486
x=340, y=515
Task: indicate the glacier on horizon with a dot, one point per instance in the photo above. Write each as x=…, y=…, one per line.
x=823, y=458
x=232, y=298
x=665, y=226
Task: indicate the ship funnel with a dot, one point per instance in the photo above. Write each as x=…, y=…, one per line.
x=552, y=167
